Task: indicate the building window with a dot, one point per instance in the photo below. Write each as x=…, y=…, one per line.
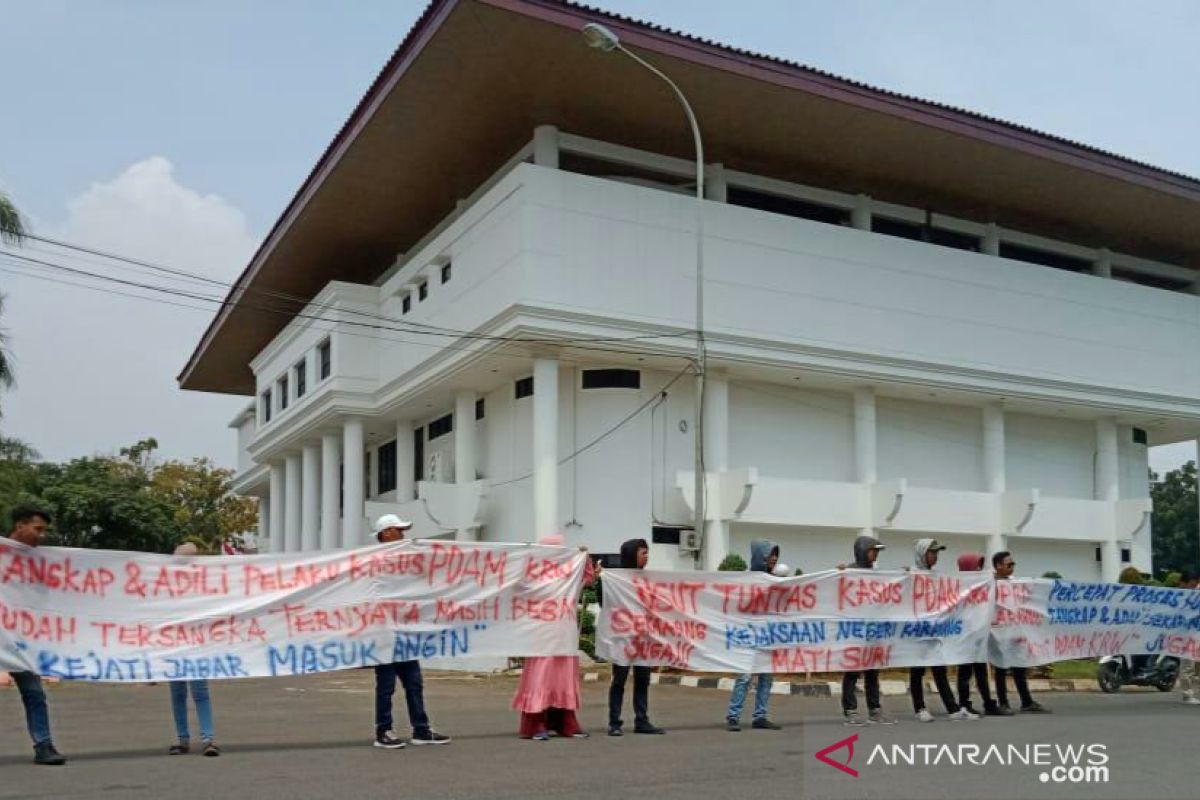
x=479, y=409
x=446, y=272
x=406, y=304
x=441, y=426
x=419, y=454
x=1046, y=258
x=1126, y=555
x=789, y=206
x=301, y=378
x=423, y=291
x=325, y=358
x=1139, y=436
x=266, y=406
x=387, y=467
x=612, y=379
x=282, y=389
x=524, y=387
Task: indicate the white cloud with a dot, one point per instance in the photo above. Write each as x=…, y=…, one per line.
x=95, y=371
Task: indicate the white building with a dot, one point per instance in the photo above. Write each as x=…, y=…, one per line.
x=478, y=312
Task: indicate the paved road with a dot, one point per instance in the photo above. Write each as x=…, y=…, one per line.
x=309, y=738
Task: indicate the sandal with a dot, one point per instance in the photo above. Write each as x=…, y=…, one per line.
x=211, y=750
x=178, y=749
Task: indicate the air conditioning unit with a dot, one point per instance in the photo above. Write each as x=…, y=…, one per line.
x=689, y=541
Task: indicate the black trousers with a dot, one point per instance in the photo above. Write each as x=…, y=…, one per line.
x=965, y=671
x=850, y=689
x=916, y=687
x=641, y=696
x=1020, y=680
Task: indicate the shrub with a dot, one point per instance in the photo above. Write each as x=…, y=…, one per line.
x=733, y=563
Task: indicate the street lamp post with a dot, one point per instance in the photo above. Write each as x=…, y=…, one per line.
x=602, y=38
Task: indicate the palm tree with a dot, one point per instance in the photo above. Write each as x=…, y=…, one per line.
x=12, y=231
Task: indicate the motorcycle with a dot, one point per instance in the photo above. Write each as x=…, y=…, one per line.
x=1161, y=672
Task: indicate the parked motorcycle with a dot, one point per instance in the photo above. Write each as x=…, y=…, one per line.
x=1161, y=672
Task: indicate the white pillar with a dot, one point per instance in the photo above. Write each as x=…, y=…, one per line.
x=353, y=489
x=865, y=469
x=310, y=504
x=1108, y=488
x=545, y=146
x=716, y=462
x=1102, y=266
x=464, y=448
x=860, y=215
x=545, y=447
x=716, y=186
x=278, y=544
x=990, y=245
x=994, y=474
x=291, y=503
x=264, y=523
x=331, y=517
x=406, y=488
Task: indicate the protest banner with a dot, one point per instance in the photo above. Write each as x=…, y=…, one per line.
x=100, y=615
x=823, y=622
x=1039, y=621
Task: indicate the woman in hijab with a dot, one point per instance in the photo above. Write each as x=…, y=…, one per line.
x=548, y=694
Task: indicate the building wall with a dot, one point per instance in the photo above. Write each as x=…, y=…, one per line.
x=791, y=433
x=1056, y=456
x=930, y=445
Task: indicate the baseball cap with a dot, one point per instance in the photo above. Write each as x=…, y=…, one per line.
x=933, y=546
x=390, y=521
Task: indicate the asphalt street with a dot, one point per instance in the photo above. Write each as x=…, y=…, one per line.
x=311, y=738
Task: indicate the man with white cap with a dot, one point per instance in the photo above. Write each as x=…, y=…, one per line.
x=391, y=528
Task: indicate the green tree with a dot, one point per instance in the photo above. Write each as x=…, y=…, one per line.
x=1175, y=524
x=12, y=225
x=18, y=478
x=732, y=563
x=204, y=510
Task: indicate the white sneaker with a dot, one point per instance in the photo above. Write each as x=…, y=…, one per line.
x=963, y=714
x=1190, y=699
x=924, y=716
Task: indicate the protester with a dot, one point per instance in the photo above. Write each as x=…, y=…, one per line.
x=973, y=562
x=1189, y=671
x=1139, y=663
x=634, y=554
x=29, y=528
x=866, y=552
x=925, y=559
x=390, y=528
x=764, y=557
x=548, y=694
x=1003, y=566
x=199, y=690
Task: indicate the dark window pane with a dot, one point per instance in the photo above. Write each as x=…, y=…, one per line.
x=324, y=355
x=301, y=379
x=1044, y=257
x=441, y=426
x=524, y=387
x=446, y=272
x=423, y=291
x=789, y=206
x=266, y=406
x=479, y=409
x=387, y=467
x=283, y=393
x=612, y=379
x=406, y=304
x=419, y=454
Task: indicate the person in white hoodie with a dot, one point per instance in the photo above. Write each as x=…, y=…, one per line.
x=924, y=560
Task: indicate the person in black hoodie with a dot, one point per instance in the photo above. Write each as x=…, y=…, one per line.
x=634, y=554
x=866, y=551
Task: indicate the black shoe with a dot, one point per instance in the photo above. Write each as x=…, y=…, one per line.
x=998, y=711
x=653, y=730
x=1035, y=708
x=388, y=741
x=765, y=725
x=45, y=754
x=615, y=730
x=732, y=725
x=211, y=750
x=430, y=737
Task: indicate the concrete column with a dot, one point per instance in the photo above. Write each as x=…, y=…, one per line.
x=310, y=504
x=406, y=487
x=291, y=503
x=464, y=449
x=865, y=469
x=990, y=244
x=716, y=186
x=716, y=461
x=1108, y=488
x=1102, y=266
x=545, y=447
x=353, y=483
x=994, y=476
x=331, y=516
x=264, y=523
x=860, y=215
x=278, y=543
x=545, y=146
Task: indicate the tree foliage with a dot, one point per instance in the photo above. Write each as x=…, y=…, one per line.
x=733, y=563
x=1175, y=524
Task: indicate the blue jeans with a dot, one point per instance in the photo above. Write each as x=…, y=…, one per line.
x=409, y=673
x=762, y=695
x=37, y=713
x=179, y=695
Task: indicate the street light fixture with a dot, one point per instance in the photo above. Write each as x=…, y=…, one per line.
x=603, y=39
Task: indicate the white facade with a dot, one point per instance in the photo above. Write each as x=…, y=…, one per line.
x=858, y=381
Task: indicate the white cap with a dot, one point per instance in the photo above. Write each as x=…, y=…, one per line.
x=781, y=570
x=390, y=521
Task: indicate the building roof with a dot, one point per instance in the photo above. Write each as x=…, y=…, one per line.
x=468, y=84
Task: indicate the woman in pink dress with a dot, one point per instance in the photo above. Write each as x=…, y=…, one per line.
x=548, y=694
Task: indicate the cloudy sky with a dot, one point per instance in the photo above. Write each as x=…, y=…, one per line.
x=176, y=133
